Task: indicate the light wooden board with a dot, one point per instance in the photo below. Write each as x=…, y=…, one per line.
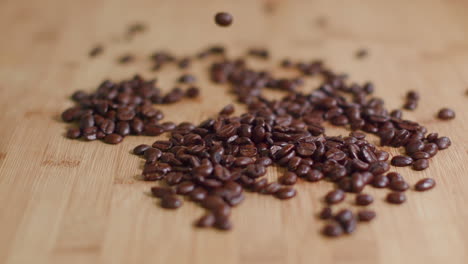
x=64, y=201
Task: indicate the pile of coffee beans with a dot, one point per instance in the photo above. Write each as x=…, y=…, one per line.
x=215, y=162
x=117, y=110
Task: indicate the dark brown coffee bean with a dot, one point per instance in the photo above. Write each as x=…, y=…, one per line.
x=73, y=133
x=160, y=192
x=398, y=185
x=140, y=149
x=227, y=110
x=424, y=184
x=185, y=187
x=414, y=146
x=313, y=175
x=271, y=188
x=394, y=176
x=332, y=230
x=335, y=196
x=396, y=197
x=289, y=178
x=401, y=161
x=326, y=213
x=380, y=181
x=152, y=154
x=223, y=223
x=87, y=121
x=113, y=139
x=211, y=202
x=206, y=220
x=446, y=114
x=420, y=155
x=364, y=199
x=431, y=149
x=173, y=178
x=198, y=194
x=89, y=133
x=366, y=215
x=421, y=164
x=285, y=193
x=344, y=216
x=192, y=92
x=379, y=167
x=443, y=142
x=223, y=19
x=171, y=202
x=336, y=173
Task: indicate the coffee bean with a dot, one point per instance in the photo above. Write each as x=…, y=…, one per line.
x=314, y=175
x=223, y=19
x=332, y=230
x=334, y=197
x=185, y=187
x=289, y=178
x=171, y=202
x=420, y=164
x=198, y=194
x=271, y=188
x=160, y=192
x=396, y=197
x=285, y=193
x=443, y=142
x=73, y=133
x=398, y=185
x=380, y=181
x=192, y=92
x=206, y=220
x=420, y=155
x=424, y=184
x=401, y=161
x=97, y=50
x=446, y=114
x=364, y=199
x=127, y=58
x=326, y=213
x=140, y=149
x=223, y=223
x=366, y=215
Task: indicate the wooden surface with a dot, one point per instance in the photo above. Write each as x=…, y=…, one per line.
x=64, y=201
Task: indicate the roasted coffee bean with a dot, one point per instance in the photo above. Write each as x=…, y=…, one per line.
x=443, y=142
x=398, y=185
x=332, y=230
x=113, y=139
x=160, y=192
x=227, y=110
x=223, y=223
x=396, y=197
x=420, y=155
x=424, y=184
x=198, y=194
x=152, y=154
x=446, y=114
x=401, y=161
x=271, y=188
x=344, y=216
x=335, y=196
x=285, y=193
x=127, y=58
x=366, y=215
x=414, y=146
x=73, y=133
x=288, y=178
x=223, y=19
x=394, y=176
x=326, y=213
x=421, y=164
x=140, y=149
x=364, y=199
x=97, y=50
x=431, y=149
x=187, y=78
x=185, y=187
x=314, y=175
x=171, y=202
x=206, y=220
x=380, y=181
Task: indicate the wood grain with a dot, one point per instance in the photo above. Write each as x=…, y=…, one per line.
x=66, y=201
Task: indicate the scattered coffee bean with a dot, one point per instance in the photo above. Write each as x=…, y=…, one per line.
x=396, y=197
x=420, y=164
x=223, y=19
x=285, y=193
x=364, y=199
x=326, y=213
x=366, y=215
x=332, y=230
x=335, y=196
x=424, y=184
x=289, y=178
x=171, y=202
x=446, y=114
x=206, y=220
x=97, y=50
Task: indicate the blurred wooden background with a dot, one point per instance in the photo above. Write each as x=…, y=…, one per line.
x=64, y=201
